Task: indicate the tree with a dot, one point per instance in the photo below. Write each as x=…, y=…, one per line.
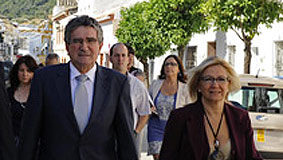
x=30, y=9
x=244, y=17
x=177, y=20
x=152, y=27
x=135, y=29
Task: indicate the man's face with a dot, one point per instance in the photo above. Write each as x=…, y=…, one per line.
x=84, y=48
x=120, y=58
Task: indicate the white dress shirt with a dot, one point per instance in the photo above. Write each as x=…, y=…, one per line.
x=89, y=84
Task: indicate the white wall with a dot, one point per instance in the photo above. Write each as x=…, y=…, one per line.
x=100, y=7
x=264, y=61
x=60, y=49
x=267, y=58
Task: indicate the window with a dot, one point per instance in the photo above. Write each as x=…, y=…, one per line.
x=255, y=50
x=211, y=49
x=259, y=99
x=279, y=58
x=231, y=55
x=190, y=57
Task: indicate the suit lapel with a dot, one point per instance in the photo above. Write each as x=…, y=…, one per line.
x=101, y=87
x=234, y=128
x=196, y=132
x=63, y=87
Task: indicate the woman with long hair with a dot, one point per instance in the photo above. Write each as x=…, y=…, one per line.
x=20, y=80
x=168, y=92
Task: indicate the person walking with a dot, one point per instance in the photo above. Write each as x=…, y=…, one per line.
x=168, y=93
x=119, y=57
x=8, y=149
x=20, y=76
x=210, y=127
x=79, y=110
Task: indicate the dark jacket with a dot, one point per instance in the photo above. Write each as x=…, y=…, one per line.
x=49, y=117
x=7, y=145
x=185, y=136
x=17, y=111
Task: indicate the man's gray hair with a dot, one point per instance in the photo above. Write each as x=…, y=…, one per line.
x=83, y=20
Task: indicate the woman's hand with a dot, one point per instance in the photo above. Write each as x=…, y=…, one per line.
x=153, y=110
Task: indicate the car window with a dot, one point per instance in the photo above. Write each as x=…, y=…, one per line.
x=259, y=99
x=274, y=99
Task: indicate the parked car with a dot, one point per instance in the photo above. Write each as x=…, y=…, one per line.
x=263, y=98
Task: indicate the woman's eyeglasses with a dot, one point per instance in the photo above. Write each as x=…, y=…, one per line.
x=211, y=80
x=170, y=63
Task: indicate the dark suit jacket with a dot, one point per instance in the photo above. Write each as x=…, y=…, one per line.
x=49, y=117
x=185, y=136
x=7, y=144
x=2, y=74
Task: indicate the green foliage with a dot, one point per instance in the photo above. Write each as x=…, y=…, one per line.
x=178, y=20
x=243, y=15
x=135, y=29
x=26, y=9
x=151, y=27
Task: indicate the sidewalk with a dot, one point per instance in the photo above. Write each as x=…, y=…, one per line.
x=145, y=157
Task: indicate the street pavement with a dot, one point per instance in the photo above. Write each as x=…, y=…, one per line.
x=144, y=155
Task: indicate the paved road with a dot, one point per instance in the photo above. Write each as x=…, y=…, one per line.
x=144, y=155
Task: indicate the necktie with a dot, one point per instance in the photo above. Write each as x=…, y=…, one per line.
x=81, y=102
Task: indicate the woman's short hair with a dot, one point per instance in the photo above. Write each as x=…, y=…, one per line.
x=29, y=62
x=181, y=75
x=196, y=73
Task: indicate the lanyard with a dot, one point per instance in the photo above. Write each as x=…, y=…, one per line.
x=216, y=142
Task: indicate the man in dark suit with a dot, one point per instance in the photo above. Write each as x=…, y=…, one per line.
x=2, y=72
x=7, y=145
x=79, y=110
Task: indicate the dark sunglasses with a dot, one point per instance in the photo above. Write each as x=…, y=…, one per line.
x=170, y=63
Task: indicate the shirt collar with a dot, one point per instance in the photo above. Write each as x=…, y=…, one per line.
x=90, y=74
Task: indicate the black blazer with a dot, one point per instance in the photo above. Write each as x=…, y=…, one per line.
x=49, y=117
x=7, y=144
x=185, y=136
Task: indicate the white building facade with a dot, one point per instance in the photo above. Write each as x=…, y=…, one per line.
x=62, y=13
x=8, y=39
x=35, y=40
x=267, y=56
x=107, y=13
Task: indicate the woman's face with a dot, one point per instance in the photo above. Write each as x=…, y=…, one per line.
x=171, y=67
x=214, y=83
x=24, y=74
